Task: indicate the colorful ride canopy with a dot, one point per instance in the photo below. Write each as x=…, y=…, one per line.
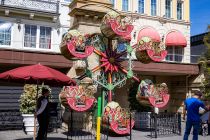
x=119, y=119
x=151, y=94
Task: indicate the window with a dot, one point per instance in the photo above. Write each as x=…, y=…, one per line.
x=175, y=53
x=179, y=10
x=168, y=8
x=30, y=36
x=153, y=7
x=141, y=6
x=45, y=37
x=125, y=5
x=67, y=0
x=5, y=33
x=122, y=47
x=112, y=1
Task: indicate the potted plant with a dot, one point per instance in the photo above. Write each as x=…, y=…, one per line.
x=28, y=105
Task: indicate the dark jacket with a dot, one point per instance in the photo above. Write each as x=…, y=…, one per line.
x=46, y=111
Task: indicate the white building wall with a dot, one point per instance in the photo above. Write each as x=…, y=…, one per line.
x=172, y=23
x=64, y=17
x=58, y=29
x=17, y=36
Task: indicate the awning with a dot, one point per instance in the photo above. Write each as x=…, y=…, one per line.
x=149, y=32
x=175, y=38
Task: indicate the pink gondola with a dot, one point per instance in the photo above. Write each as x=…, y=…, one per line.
x=147, y=50
x=73, y=45
x=80, y=98
x=118, y=118
x=150, y=94
x=115, y=24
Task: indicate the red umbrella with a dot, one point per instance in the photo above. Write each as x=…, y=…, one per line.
x=37, y=74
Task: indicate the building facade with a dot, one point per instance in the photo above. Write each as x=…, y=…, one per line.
x=171, y=20
x=198, y=48
x=30, y=33
x=165, y=17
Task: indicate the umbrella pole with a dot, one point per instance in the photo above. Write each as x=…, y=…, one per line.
x=35, y=111
x=34, y=127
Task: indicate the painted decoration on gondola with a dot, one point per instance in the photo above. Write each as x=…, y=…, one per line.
x=151, y=94
x=147, y=50
x=118, y=118
x=115, y=24
x=74, y=45
x=81, y=98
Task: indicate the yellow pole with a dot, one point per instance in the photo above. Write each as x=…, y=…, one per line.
x=98, y=128
x=98, y=131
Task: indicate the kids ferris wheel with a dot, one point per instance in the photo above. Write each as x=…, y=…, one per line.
x=114, y=53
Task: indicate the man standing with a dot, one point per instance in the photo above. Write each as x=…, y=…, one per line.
x=192, y=106
x=43, y=114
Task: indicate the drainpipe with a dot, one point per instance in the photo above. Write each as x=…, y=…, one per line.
x=188, y=95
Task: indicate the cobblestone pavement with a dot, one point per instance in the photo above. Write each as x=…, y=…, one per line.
x=61, y=135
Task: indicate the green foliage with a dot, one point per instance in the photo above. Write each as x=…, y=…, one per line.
x=204, y=62
x=29, y=97
x=134, y=104
x=207, y=54
x=206, y=82
x=206, y=41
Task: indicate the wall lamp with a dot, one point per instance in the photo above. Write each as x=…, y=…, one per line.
x=19, y=26
x=18, y=21
x=163, y=19
x=58, y=28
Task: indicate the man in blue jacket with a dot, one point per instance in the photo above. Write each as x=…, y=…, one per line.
x=192, y=106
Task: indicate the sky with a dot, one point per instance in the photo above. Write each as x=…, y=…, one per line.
x=199, y=16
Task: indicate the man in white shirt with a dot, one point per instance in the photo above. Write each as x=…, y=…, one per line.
x=43, y=114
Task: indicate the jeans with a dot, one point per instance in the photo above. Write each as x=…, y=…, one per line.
x=189, y=125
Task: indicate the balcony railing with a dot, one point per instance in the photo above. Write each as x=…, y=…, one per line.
x=51, y=6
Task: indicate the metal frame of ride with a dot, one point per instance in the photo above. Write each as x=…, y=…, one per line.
x=116, y=29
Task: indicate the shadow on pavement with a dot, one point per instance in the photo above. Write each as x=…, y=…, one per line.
x=77, y=133
x=54, y=138
x=144, y=129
